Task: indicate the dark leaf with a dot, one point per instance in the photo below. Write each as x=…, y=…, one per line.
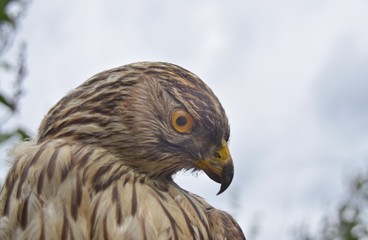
x=23, y=134
x=18, y=132
x=5, y=136
x=7, y=103
x=4, y=16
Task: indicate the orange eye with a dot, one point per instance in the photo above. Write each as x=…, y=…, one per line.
x=182, y=121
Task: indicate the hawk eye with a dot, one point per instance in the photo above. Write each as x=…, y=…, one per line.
x=182, y=121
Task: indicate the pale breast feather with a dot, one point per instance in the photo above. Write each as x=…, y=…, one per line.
x=77, y=192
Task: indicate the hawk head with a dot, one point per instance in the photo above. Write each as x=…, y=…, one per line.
x=155, y=117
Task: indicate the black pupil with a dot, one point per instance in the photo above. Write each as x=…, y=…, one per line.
x=181, y=121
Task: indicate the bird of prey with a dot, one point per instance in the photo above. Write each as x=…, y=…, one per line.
x=101, y=166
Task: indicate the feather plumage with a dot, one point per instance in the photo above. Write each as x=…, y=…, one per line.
x=102, y=164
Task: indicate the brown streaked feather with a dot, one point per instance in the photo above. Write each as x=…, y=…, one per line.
x=173, y=213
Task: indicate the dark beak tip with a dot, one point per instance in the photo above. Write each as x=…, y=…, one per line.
x=227, y=178
x=224, y=186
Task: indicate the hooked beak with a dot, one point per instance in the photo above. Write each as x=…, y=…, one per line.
x=219, y=168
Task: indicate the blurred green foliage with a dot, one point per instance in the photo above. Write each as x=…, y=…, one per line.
x=349, y=219
x=11, y=12
x=5, y=17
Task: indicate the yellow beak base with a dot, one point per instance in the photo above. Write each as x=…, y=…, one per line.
x=220, y=168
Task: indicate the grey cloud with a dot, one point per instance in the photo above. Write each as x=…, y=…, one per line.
x=341, y=92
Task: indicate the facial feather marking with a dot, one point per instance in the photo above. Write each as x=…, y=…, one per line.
x=127, y=111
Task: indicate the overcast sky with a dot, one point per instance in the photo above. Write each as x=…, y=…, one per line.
x=291, y=74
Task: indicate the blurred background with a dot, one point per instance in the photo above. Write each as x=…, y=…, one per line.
x=291, y=74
